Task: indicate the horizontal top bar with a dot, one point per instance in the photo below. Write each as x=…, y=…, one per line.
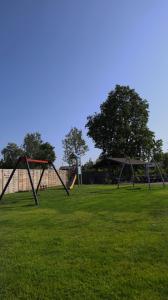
x=38, y=161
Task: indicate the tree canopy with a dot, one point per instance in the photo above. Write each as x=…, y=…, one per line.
x=89, y=165
x=74, y=144
x=31, y=144
x=46, y=151
x=33, y=147
x=121, y=127
x=10, y=155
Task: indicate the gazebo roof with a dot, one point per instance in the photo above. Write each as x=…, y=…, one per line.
x=127, y=161
x=121, y=160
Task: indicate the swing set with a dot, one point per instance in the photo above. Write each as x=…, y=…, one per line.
x=134, y=162
x=25, y=160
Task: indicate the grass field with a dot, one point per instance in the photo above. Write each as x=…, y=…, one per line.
x=100, y=243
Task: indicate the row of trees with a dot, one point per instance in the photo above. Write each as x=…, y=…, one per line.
x=120, y=129
x=33, y=146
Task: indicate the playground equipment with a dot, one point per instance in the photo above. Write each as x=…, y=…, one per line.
x=134, y=162
x=75, y=171
x=26, y=161
x=72, y=182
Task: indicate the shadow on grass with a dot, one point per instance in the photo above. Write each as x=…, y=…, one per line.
x=126, y=188
x=115, y=190
x=134, y=189
x=29, y=205
x=8, y=203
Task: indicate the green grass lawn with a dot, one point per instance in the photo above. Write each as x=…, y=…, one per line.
x=99, y=243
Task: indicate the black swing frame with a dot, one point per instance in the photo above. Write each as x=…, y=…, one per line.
x=146, y=165
x=26, y=161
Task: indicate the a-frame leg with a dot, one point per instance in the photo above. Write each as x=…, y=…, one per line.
x=119, y=179
x=160, y=172
x=31, y=182
x=60, y=178
x=10, y=177
x=148, y=175
x=41, y=176
x=133, y=175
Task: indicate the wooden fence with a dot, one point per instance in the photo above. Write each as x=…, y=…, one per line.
x=20, y=180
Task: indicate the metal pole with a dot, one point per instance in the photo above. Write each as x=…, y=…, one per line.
x=60, y=178
x=156, y=164
x=122, y=168
x=147, y=169
x=31, y=182
x=39, y=181
x=9, y=179
x=133, y=174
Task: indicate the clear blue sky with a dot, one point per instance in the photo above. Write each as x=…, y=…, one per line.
x=59, y=59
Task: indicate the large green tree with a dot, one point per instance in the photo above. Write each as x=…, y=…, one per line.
x=121, y=127
x=47, y=152
x=31, y=144
x=10, y=155
x=74, y=143
x=34, y=147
